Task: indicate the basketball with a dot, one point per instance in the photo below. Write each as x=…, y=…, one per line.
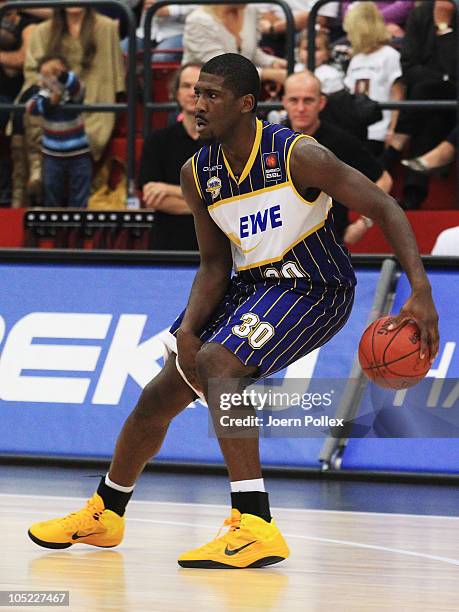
x=390, y=358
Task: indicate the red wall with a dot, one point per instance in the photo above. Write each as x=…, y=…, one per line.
x=427, y=224
x=11, y=232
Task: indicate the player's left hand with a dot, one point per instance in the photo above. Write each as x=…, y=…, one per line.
x=420, y=308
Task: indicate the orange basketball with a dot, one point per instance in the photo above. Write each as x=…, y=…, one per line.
x=390, y=358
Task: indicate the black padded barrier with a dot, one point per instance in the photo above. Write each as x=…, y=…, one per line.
x=69, y=256
x=148, y=258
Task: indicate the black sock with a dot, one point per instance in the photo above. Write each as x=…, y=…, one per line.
x=113, y=499
x=252, y=502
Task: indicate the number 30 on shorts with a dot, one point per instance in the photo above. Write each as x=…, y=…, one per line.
x=257, y=332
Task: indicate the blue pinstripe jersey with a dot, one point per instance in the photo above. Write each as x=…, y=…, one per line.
x=275, y=232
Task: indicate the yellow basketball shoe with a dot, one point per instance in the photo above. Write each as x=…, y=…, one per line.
x=93, y=524
x=249, y=542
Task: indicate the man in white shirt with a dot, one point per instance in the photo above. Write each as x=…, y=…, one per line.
x=447, y=242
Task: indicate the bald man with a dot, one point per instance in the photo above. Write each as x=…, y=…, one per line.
x=303, y=101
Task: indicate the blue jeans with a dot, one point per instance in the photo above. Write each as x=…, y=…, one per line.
x=60, y=171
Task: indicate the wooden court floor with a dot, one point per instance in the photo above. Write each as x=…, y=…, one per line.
x=340, y=561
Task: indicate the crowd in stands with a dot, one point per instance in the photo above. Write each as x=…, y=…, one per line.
x=51, y=59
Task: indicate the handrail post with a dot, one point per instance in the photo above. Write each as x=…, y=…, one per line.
x=348, y=408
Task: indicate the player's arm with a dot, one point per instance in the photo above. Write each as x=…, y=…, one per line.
x=211, y=280
x=314, y=166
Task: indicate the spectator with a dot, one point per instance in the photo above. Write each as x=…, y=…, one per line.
x=447, y=242
x=163, y=155
x=117, y=13
x=303, y=101
x=394, y=12
x=436, y=159
x=330, y=77
x=429, y=60
x=273, y=24
x=226, y=28
x=374, y=68
x=90, y=44
x=15, y=30
x=65, y=145
x=166, y=31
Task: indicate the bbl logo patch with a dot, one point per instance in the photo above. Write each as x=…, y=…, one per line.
x=272, y=166
x=214, y=186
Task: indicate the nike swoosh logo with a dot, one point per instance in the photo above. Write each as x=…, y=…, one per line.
x=245, y=251
x=76, y=535
x=230, y=553
x=237, y=242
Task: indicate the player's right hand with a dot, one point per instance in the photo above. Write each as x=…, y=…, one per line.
x=188, y=346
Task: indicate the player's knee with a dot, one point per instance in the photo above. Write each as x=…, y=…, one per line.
x=150, y=405
x=215, y=361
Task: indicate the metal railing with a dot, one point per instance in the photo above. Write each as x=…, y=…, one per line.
x=333, y=447
x=149, y=105
x=129, y=105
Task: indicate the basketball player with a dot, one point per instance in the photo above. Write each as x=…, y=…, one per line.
x=260, y=196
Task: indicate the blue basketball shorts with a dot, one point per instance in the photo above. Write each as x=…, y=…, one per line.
x=271, y=325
